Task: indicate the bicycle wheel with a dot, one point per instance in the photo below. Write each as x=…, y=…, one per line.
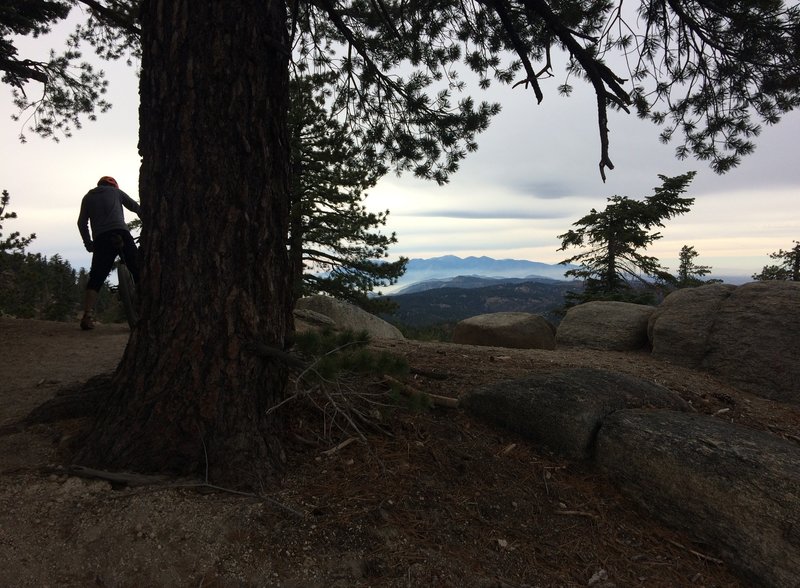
x=127, y=294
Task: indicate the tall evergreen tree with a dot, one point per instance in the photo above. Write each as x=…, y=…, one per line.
x=333, y=244
x=787, y=268
x=205, y=364
x=689, y=273
x=614, y=267
x=15, y=242
x=32, y=286
x=12, y=262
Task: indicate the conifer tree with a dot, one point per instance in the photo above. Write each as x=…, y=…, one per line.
x=31, y=285
x=334, y=246
x=615, y=267
x=689, y=273
x=787, y=268
x=71, y=89
x=13, y=243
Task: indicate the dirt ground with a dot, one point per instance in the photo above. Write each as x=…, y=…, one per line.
x=440, y=500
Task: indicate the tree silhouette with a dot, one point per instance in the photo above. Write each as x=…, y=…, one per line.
x=689, y=273
x=334, y=246
x=787, y=268
x=614, y=267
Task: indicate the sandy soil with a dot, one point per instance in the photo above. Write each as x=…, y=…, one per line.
x=441, y=500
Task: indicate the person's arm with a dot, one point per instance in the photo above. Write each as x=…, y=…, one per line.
x=130, y=203
x=83, y=227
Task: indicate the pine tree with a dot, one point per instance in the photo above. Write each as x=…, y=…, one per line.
x=31, y=285
x=334, y=248
x=614, y=268
x=14, y=243
x=690, y=274
x=71, y=89
x=787, y=268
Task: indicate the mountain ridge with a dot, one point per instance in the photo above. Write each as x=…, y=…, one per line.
x=449, y=267
x=450, y=304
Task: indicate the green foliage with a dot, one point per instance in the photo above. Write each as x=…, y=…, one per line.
x=690, y=274
x=334, y=247
x=787, y=268
x=34, y=286
x=14, y=243
x=347, y=382
x=704, y=70
x=613, y=267
x=336, y=355
x=71, y=89
x=712, y=68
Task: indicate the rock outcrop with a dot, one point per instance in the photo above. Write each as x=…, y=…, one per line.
x=613, y=326
x=679, y=329
x=519, y=330
x=563, y=410
x=345, y=316
x=747, y=335
x=736, y=489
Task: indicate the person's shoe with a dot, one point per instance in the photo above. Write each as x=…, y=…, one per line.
x=87, y=323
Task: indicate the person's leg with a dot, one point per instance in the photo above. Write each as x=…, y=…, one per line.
x=102, y=262
x=89, y=299
x=131, y=253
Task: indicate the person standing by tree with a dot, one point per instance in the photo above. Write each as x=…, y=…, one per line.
x=102, y=206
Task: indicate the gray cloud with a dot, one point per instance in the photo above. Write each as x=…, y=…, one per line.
x=544, y=189
x=514, y=213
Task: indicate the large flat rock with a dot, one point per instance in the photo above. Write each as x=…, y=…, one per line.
x=563, y=410
x=735, y=489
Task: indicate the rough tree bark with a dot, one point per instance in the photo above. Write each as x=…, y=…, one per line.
x=190, y=393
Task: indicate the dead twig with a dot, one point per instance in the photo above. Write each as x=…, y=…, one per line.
x=415, y=393
x=158, y=482
x=577, y=513
x=429, y=374
x=697, y=553
x=341, y=445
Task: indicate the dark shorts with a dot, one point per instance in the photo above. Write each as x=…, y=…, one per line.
x=104, y=255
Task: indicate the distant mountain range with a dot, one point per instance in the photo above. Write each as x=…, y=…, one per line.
x=471, y=272
x=448, y=289
x=448, y=305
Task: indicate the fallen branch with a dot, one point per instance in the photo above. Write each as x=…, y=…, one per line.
x=341, y=445
x=577, y=513
x=429, y=374
x=415, y=393
x=697, y=553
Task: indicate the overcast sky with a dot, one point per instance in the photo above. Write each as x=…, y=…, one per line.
x=535, y=173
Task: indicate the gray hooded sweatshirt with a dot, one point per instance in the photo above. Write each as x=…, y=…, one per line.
x=103, y=207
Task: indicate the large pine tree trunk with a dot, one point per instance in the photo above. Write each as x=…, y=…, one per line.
x=190, y=393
